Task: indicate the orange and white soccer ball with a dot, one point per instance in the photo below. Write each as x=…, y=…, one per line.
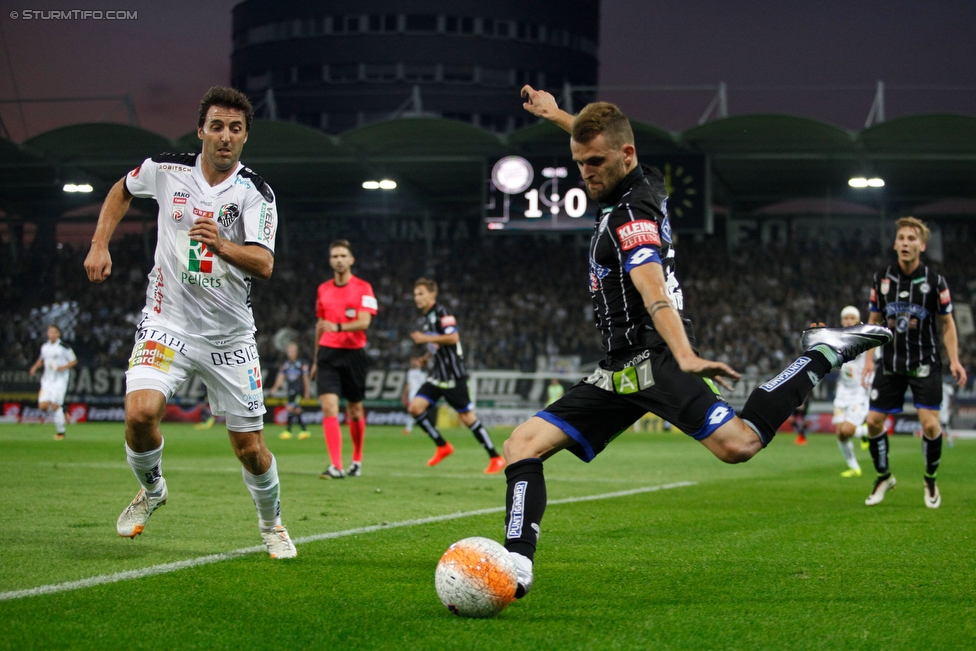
x=476, y=577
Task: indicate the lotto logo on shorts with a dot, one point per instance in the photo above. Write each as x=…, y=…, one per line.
x=154, y=354
x=633, y=234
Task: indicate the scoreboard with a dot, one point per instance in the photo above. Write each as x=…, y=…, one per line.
x=546, y=193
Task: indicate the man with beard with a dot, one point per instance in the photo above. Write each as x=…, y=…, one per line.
x=651, y=364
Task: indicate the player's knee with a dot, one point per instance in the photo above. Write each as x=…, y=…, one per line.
x=141, y=418
x=249, y=452
x=519, y=446
x=416, y=410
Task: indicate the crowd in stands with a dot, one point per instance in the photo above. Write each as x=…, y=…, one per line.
x=515, y=297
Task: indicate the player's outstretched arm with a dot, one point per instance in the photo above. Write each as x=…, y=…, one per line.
x=950, y=338
x=542, y=104
x=98, y=263
x=649, y=281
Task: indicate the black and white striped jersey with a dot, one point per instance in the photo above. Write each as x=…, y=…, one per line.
x=447, y=362
x=631, y=230
x=910, y=306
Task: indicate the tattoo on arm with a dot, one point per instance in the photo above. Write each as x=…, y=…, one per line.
x=657, y=306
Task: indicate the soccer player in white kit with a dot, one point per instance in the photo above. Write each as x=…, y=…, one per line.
x=216, y=231
x=851, y=399
x=57, y=360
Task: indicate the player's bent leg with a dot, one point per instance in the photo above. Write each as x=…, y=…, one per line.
x=480, y=432
x=144, y=451
x=525, y=498
x=734, y=442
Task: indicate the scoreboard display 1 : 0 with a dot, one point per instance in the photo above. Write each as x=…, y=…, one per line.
x=537, y=194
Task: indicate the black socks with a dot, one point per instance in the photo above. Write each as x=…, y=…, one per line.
x=525, y=502
x=770, y=404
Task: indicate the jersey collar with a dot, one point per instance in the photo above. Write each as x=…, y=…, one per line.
x=198, y=170
x=625, y=184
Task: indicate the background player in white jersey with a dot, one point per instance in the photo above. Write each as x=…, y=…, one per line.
x=57, y=360
x=851, y=399
x=416, y=377
x=216, y=231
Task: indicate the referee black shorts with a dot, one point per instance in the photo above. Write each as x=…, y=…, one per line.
x=454, y=392
x=599, y=408
x=888, y=391
x=342, y=371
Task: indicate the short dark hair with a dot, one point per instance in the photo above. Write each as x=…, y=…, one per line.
x=343, y=243
x=605, y=118
x=226, y=98
x=55, y=326
x=431, y=285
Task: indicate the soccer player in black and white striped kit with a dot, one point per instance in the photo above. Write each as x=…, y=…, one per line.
x=914, y=301
x=447, y=378
x=651, y=364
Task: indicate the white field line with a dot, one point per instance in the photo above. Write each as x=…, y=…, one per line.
x=166, y=568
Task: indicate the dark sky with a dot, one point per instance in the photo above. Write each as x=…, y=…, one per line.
x=175, y=50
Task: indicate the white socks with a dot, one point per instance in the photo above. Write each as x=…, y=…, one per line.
x=59, y=420
x=847, y=449
x=148, y=468
x=266, y=495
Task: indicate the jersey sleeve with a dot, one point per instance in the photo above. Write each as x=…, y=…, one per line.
x=69, y=354
x=637, y=238
x=368, y=300
x=873, y=295
x=945, y=299
x=446, y=323
x=260, y=220
x=320, y=304
x=141, y=182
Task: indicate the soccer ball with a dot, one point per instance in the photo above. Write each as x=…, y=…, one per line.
x=476, y=577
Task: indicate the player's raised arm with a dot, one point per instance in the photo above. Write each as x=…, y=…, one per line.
x=98, y=263
x=649, y=281
x=542, y=104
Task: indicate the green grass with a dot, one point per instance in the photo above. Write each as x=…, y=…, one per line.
x=777, y=553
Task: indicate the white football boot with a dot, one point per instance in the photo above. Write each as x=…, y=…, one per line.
x=133, y=519
x=278, y=542
x=881, y=486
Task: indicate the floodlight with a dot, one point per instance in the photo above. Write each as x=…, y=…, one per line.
x=387, y=184
x=371, y=185
x=858, y=182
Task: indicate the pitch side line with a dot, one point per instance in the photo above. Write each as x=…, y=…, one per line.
x=166, y=568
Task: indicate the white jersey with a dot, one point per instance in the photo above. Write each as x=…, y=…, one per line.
x=190, y=288
x=415, y=379
x=849, y=388
x=55, y=356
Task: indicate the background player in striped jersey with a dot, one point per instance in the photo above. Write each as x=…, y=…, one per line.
x=345, y=307
x=914, y=302
x=851, y=399
x=294, y=374
x=57, y=360
x=448, y=376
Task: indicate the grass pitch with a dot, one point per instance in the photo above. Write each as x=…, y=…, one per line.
x=777, y=553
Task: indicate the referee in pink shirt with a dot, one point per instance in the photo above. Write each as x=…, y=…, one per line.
x=345, y=307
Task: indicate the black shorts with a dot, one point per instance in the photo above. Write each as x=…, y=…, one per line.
x=599, y=408
x=888, y=391
x=342, y=371
x=455, y=392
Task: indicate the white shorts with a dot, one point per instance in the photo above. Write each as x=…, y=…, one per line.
x=53, y=391
x=854, y=412
x=163, y=358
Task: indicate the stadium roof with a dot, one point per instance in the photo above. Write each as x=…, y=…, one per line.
x=757, y=160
